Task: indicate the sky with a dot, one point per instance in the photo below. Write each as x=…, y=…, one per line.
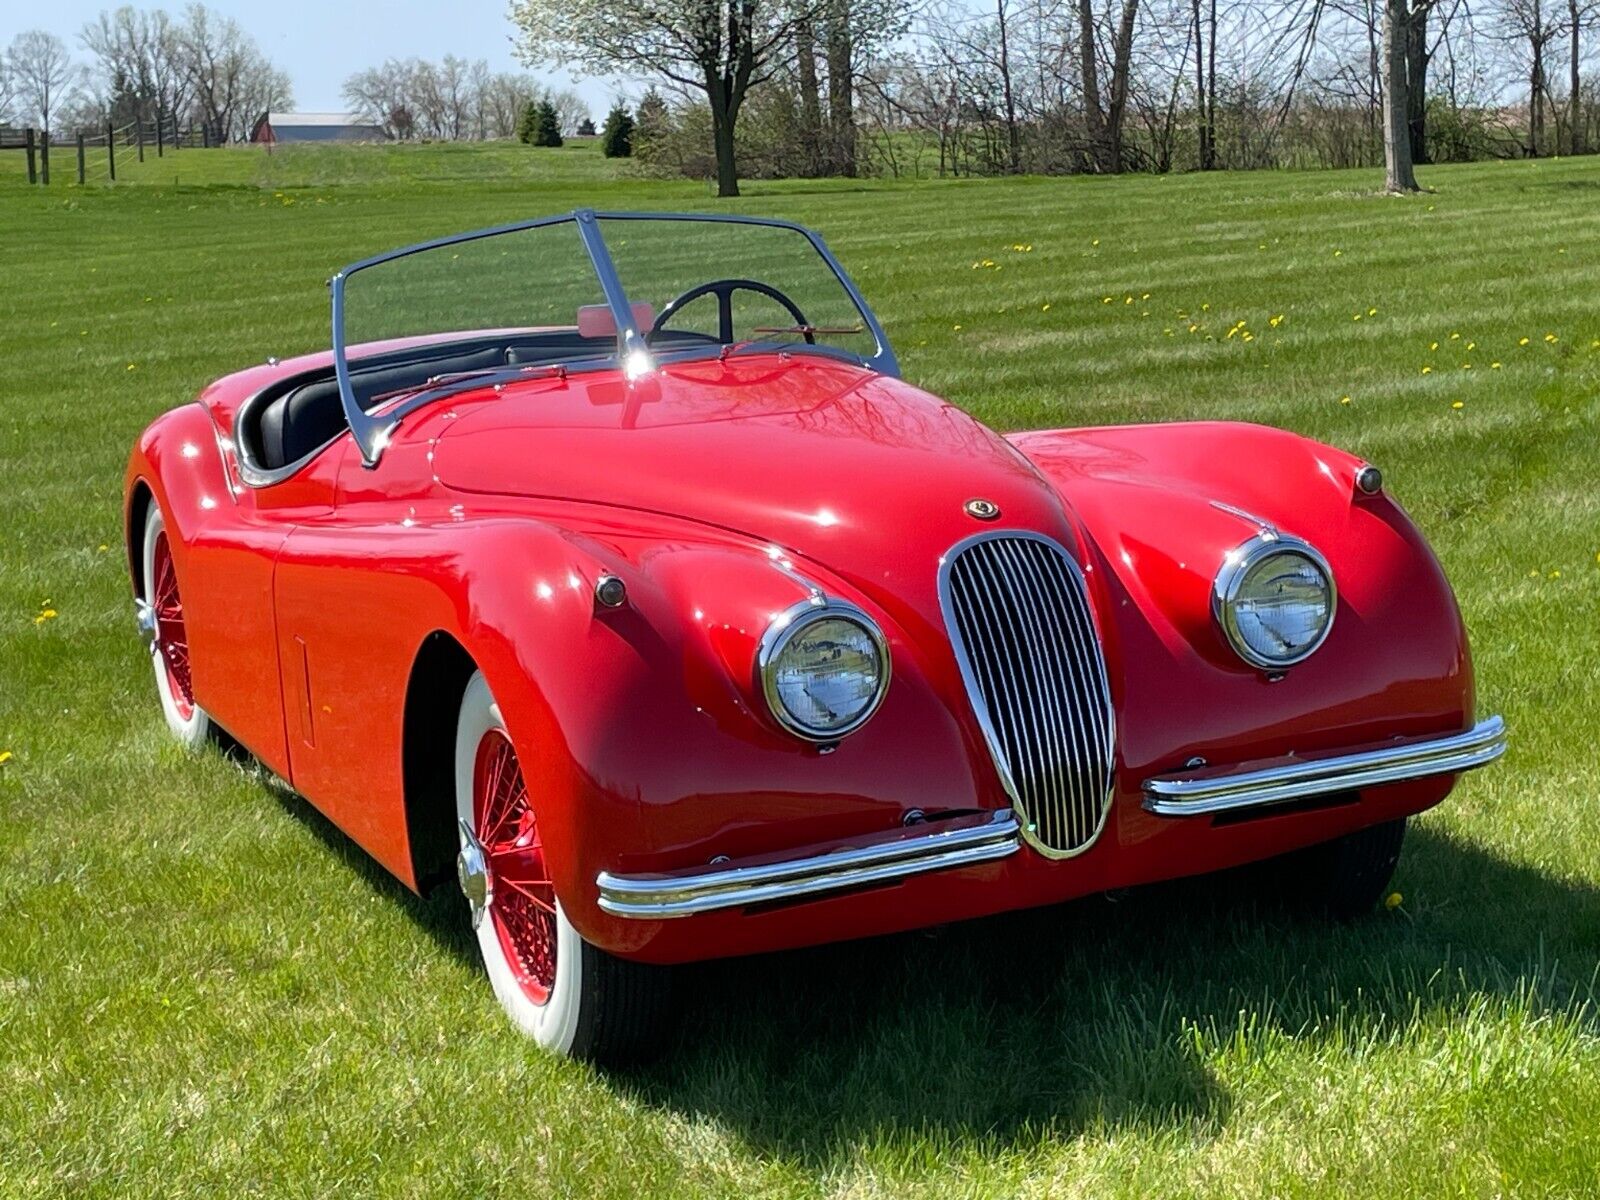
x=321, y=42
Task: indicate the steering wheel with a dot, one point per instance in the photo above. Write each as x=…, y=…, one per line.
x=723, y=290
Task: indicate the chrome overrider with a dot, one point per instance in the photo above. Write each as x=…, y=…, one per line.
x=883, y=857
x=1203, y=792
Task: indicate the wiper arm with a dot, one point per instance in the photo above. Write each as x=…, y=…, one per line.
x=810, y=330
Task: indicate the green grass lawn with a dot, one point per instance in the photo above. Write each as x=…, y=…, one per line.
x=205, y=990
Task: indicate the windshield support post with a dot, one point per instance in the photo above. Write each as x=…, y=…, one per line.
x=631, y=348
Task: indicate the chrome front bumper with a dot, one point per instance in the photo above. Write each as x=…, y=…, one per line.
x=877, y=859
x=1226, y=790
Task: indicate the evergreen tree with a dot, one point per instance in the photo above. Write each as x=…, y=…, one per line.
x=586, y=128
x=618, y=139
x=652, y=123
x=547, y=126
x=528, y=122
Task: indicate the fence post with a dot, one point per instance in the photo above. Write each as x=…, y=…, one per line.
x=161, y=133
x=80, y=158
x=44, y=158
x=138, y=138
x=111, y=151
x=205, y=137
x=33, y=170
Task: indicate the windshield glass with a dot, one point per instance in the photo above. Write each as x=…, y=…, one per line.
x=724, y=282
x=573, y=293
x=521, y=279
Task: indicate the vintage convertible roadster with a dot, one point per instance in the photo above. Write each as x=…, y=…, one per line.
x=689, y=631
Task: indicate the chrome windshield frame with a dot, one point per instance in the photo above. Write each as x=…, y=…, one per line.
x=372, y=430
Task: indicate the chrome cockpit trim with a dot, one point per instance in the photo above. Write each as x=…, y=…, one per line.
x=1229, y=789
x=962, y=842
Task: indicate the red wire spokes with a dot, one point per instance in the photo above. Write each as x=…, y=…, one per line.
x=171, y=635
x=523, y=909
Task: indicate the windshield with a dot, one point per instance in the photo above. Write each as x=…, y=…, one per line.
x=584, y=291
x=729, y=283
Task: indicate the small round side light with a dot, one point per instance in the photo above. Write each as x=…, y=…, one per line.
x=610, y=592
x=1369, y=480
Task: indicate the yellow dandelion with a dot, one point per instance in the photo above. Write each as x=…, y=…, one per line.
x=48, y=614
x=5, y=756
x=1127, y=299
x=1457, y=404
x=1427, y=370
x=1344, y=399
x=1494, y=366
x=1338, y=253
x=1595, y=345
x=1555, y=574
x=1194, y=328
x=1430, y=208
x=1393, y=901
x=957, y=328
x=1044, y=308
x=133, y=366
x=1144, y=296
x=102, y=548
x=1205, y=308
x=1356, y=317
x=1263, y=246
x=1372, y=312
x=1096, y=242
x=1105, y=299
x=1523, y=341
x=1433, y=345
x=1472, y=345
x=1275, y=321
x=1455, y=337
x=1551, y=338
x=1249, y=337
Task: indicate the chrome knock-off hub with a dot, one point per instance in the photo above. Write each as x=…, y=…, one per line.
x=472, y=872
x=144, y=614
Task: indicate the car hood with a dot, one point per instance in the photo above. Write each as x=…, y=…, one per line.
x=855, y=470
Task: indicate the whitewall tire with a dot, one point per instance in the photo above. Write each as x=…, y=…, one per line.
x=569, y=996
x=163, y=618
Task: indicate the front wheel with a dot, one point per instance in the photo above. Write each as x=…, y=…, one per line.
x=569, y=996
x=162, y=618
x=1344, y=878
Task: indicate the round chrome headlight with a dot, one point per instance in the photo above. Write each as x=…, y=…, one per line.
x=1275, y=600
x=824, y=669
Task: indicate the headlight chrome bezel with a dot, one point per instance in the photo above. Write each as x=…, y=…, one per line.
x=783, y=629
x=1236, y=568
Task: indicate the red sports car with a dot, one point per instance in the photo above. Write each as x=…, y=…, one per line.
x=607, y=565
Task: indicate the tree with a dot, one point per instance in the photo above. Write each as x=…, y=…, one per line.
x=528, y=122
x=40, y=69
x=142, y=57
x=652, y=123
x=1398, y=175
x=1105, y=118
x=617, y=141
x=586, y=128
x=722, y=50
x=231, y=81
x=546, y=125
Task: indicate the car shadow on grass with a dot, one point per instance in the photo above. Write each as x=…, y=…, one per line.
x=1101, y=1013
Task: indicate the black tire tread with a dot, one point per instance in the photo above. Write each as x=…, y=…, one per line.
x=625, y=1012
x=1345, y=878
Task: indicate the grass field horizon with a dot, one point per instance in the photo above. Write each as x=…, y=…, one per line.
x=204, y=988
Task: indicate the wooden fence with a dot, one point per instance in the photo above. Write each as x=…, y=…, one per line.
x=97, y=150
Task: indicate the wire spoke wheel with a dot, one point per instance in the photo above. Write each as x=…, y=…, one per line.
x=524, y=906
x=172, y=639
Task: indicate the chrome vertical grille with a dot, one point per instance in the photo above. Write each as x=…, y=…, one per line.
x=1018, y=616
